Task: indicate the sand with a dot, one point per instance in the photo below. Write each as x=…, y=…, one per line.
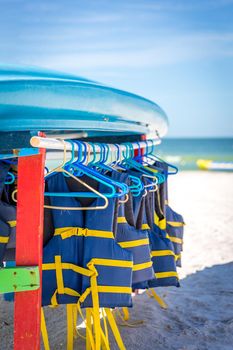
x=200, y=313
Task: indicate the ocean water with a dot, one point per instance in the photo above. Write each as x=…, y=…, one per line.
x=184, y=152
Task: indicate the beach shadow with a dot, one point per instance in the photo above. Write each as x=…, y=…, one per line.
x=199, y=314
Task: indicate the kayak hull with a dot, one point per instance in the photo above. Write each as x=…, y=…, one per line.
x=39, y=101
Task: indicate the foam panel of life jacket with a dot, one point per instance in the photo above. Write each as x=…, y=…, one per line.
x=162, y=264
x=4, y=236
x=163, y=257
x=127, y=233
x=175, y=232
x=69, y=249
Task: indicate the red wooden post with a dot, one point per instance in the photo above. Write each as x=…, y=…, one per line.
x=29, y=239
x=136, y=152
x=143, y=138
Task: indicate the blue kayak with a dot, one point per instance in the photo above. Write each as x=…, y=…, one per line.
x=37, y=99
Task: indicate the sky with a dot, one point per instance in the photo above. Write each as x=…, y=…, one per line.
x=178, y=53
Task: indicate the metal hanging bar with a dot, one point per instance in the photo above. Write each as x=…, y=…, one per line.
x=57, y=144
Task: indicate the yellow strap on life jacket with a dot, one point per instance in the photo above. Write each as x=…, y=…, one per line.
x=89, y=335
x=70, y=329
x=166, y=274
x=67, y=266
x=59, y=275
x=126, y=323
x=135, y=243
x=95, y=302
x=44, y=331
x=175, y=223
x=160, y=223
x=152, y=294
x=125, y=313
x=174, y=239
x=12, y=223
x=67, y=232
x=67, y=291
x=178, y=256
x=75, y=317
x=155, y=253
x=145, y=227
x=121, y=220
x=109, y=262
x=156, y=219
x=104, y=335
x=114, y=329
x=4, y=239
x=114, y=289
x=88, y=326
x=138, y=267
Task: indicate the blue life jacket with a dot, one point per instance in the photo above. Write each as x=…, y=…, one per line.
x=174, y=221
x=175, y=231
x=134, y=240
x=163, y=257
x=145, y=227
x=82, y=261
x=7, y=215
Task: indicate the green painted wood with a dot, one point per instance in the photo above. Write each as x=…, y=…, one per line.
x=19, y=279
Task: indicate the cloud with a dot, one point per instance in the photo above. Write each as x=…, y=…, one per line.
x=171, y=50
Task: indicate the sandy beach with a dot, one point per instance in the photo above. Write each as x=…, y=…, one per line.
x=200, y=313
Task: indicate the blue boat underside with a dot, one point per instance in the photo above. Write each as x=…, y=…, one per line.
x=53, y=101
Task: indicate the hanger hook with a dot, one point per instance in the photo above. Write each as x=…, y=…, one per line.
x=82, y=151
x=118, y=159
x=72, y=152
x=139, y=149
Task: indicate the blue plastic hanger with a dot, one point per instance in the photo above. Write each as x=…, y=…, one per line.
x=136, y=185
x=93, y=194
x=152, y=156
x=141, y=159
x=10, y=179
x=140, y=165
x=77, y=167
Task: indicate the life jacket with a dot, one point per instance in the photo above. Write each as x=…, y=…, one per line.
x=134, y=240
x=162, y=254
x=82, y=262
x=175, y=231
x=174, y=221
x=7, y=215
x=145, y=227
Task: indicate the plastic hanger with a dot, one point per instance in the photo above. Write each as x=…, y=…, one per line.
x=78, y=167
x=141, y=159
x=105, y=151
x=133, y=163
x=10, y=179
x=61, y=169
x=137, y=186
x=153, y=157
